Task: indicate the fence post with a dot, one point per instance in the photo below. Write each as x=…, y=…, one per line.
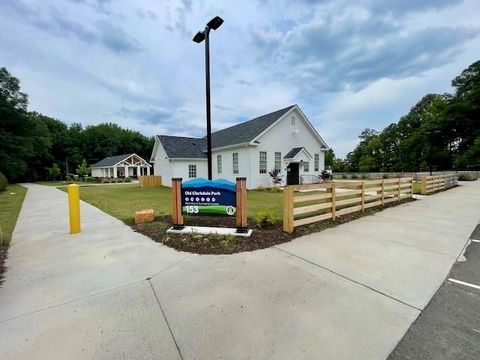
x=334, y=206
x=241, y=203
x=288, y=205
x=383, y=192
x=177, y=213
x=399, y=187
x=362, y=194
x=423, y=190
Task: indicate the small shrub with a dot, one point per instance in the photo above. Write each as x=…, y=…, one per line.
x=465, y=177
x=128, y=179
x=261, y=188
x=344, y=176
x=385, y=176
x=354, y=177
x=105, y=181
x=265, y=217
x=3, y=182
x=325, y=175
x=275, y=189
x=364, y=177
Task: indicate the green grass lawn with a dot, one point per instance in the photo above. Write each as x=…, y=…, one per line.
x=121, y=201
x=10, y=204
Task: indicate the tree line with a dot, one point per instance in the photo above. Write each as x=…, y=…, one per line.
x=37, y=147
x=441, y=132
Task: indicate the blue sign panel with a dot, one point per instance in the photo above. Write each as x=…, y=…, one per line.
x=208, y=197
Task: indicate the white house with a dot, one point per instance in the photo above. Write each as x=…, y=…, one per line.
x=284, y=140
x=128, y=165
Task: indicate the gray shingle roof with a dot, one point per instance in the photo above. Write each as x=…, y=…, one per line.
x=111, y=160
x=183, y=147
x=291, y=154
x=195, y=148
x=246, y=131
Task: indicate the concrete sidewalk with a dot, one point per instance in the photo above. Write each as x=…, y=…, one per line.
x=349, y=292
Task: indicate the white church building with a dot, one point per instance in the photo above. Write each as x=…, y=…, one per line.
x=284, y=140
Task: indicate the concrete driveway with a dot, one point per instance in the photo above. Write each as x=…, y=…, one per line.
x=349, y=292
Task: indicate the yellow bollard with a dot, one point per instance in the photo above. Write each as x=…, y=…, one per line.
x=74, y=208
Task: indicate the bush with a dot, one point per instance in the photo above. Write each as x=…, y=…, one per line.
x=325, y=175
x=364, y=177
x=128, y=179
x=354, y=177
x=265, y=217
x=261, y=188
x=3, y=182
x=465, y=177
x=344, y=176
x=275, y=189
x=385, y=176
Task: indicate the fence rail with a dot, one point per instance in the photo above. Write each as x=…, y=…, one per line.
x=150, y=181
x=431, y=184
x=307, y=204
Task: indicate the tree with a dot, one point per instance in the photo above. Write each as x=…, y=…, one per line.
x=53, y=172
x=83, y=169
x=329, y=157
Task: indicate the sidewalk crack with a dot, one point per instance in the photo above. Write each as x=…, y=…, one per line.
x=166, y=320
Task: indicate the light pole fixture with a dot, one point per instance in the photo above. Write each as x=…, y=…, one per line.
x=213, y=24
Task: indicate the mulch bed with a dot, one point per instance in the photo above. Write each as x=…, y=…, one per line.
x=3, y=259
x=262, y=237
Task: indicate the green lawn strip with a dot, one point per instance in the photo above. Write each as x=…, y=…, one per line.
x=11, y=201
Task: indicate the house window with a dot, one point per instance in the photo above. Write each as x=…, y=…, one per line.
x=306, y=166
x=317, y=162
x=263, y=162
x=192, y=171
x=219, y=164
x=278, y=161
x=235, y=163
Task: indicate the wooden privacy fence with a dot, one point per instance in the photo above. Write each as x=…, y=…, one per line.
x=306, y=204
x=150, y=181
x=435, y=183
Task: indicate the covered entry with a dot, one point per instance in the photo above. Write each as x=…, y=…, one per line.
x=293, y=159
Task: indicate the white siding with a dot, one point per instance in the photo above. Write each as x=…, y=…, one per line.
x=227, y=164
x=97, y=172
x=179, y=169
x=161, y=164
x=282, y=138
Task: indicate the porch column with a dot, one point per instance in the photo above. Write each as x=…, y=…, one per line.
x=115, y=172
x=139, y=171
x=126, y=171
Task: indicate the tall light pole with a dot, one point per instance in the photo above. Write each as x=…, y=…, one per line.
x=213, y=24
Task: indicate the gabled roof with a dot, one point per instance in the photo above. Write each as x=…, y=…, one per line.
x=291, y=154
x=246, y=131
x=183, y=147
x=111, y=160
x=295, y=151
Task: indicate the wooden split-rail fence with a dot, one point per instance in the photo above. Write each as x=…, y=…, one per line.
x=307, y=204
x=431, y=184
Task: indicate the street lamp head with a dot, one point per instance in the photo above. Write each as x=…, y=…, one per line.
x=199, y=37
x=215, y=23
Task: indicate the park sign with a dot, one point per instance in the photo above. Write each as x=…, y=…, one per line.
x=208, y=197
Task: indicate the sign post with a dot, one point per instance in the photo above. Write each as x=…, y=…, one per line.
x=177, y=214
x=241, y=199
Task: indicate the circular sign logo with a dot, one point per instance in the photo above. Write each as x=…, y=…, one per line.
x=230, y=210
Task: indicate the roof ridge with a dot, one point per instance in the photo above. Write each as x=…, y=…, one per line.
x=256, y=118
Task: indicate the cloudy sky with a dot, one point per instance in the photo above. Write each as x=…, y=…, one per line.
x=348, y=64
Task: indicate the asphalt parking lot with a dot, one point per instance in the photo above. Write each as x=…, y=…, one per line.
x=449, y=327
